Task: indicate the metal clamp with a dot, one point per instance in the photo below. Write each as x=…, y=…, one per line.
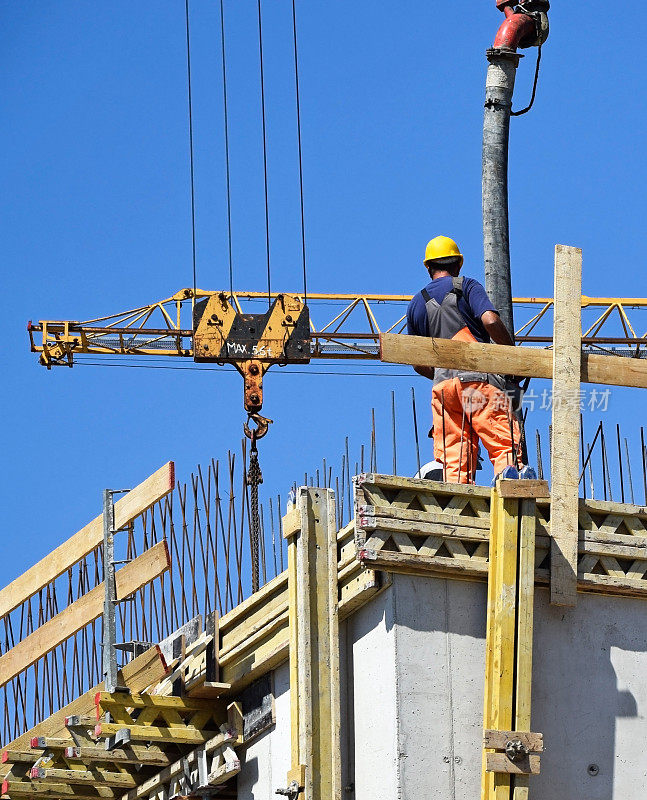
x=292, y=792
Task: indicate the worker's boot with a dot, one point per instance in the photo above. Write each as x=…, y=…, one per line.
x=527, y=474
x=507, y=473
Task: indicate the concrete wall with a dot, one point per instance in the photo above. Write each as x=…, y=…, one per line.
x=413, y=669
x=266, y=760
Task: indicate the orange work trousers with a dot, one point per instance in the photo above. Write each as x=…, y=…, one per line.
x=463, y=413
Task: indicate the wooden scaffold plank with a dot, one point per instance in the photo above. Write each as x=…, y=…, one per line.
x=127, y=509
x=139, y=572
x=145, y=670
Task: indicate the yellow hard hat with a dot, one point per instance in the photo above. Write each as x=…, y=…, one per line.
x=442, y=247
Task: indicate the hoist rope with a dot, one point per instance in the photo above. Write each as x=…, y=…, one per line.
x=226, y=120
x=296, y=80
x=267, y=208
x=188, y=67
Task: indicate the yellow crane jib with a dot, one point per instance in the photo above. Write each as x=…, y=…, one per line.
x=251, y=342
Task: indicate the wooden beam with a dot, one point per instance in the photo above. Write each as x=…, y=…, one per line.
x=22, y=788
x=530, y=362
x=175, y=734
x=149, y=755
x=500, y=632
x=315, y=705
x=501, y=766
x=145, y=670
x=128, y=508
x=149, y=786
x=79, y=777
x=108, y=701
x=87, y=608
x=565, y=442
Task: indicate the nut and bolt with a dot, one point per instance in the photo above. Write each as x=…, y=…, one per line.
x=593, y=770
x=253, y=369
x=515, y=750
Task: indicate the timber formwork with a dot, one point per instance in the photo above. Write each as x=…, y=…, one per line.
x=177, y=729
x=174, y=728
x=423, y=527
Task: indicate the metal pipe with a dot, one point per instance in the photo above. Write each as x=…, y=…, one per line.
x=499, y=87
x=519, y=29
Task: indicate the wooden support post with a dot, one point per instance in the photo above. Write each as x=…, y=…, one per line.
x=567, y=353
x=314, y=647
x=509, y=635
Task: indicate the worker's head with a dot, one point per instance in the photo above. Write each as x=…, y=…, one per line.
x=443, y=255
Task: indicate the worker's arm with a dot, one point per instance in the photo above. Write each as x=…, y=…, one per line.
x=426, y=372
x=497, y=331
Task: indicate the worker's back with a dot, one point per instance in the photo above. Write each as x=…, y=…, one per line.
x=432, y=312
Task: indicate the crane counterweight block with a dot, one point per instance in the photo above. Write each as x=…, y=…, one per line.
x=251, y=342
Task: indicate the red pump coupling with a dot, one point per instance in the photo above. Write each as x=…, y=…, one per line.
x=526, y=24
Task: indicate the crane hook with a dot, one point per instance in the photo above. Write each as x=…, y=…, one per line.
x=262, y=426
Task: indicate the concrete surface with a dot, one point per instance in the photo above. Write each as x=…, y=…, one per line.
x=412, y=664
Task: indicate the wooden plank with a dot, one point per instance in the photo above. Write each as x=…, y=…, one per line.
x=372, y=479
x=128, y=508
x=149, y=786
x=142, y=672
x=417, y=565
x=497, y=740
x=108, y=701
x=314, y=646
x=22, y=788
x=87, y=608
x=96, y=775
x=523, y=489
x=443, y=518
x=414, y=531
x=564, y=505
x=149, y=755
x=525, y=620
x=530, y=362
x=180, y=734
x=500, y=764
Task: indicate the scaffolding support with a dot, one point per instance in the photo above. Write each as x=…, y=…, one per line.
x=509, y=754
x=314, y=647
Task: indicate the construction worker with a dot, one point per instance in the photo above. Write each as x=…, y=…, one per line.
x=467, y=406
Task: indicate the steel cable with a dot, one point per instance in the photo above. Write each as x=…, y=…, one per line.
x=298, y=104
x=267, y=207
x=191, y=155
x=226, y=120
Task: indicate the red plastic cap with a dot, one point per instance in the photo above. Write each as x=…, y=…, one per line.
x=5, y=787
x=97, y=730
x=33, y=742
x=5, y=756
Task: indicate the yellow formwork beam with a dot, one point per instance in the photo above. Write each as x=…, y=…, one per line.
x=509, y=636
x=314, y=647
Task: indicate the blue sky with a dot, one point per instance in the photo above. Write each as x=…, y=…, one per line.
x=96, y=211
